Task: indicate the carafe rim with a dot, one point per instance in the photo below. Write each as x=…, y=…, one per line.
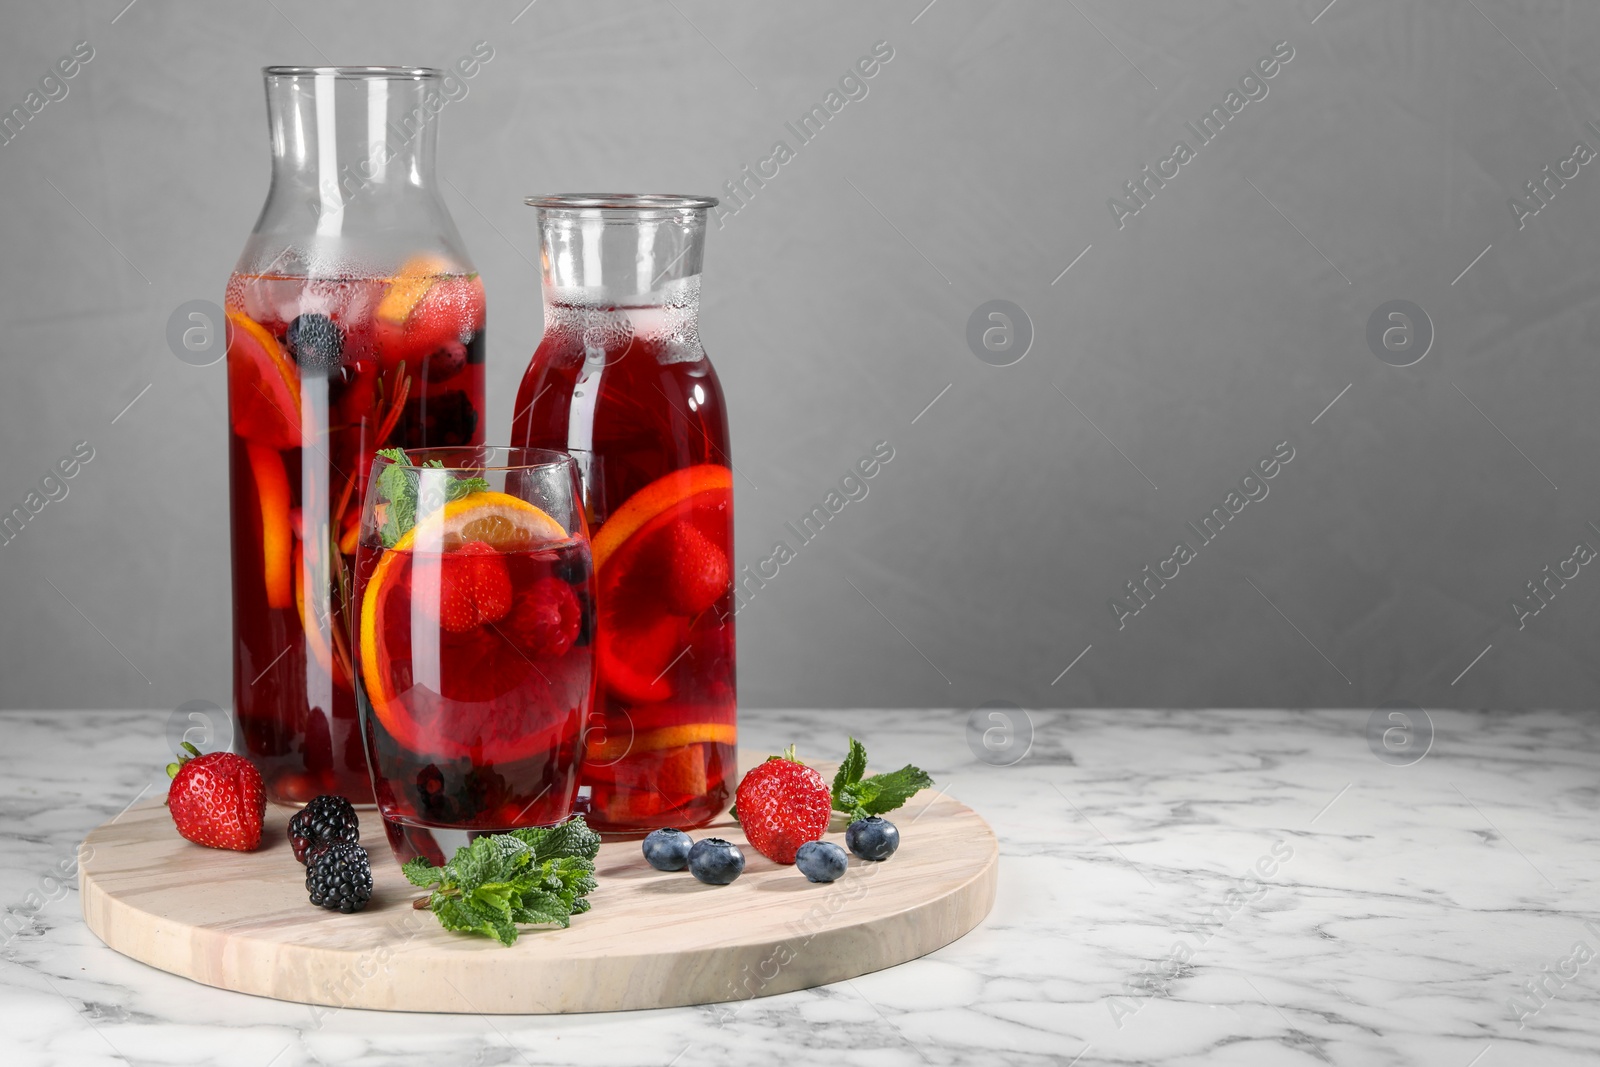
x=369, y=73
x=565, y=202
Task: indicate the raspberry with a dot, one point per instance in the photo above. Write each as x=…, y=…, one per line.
x=782, y=804
x=545, y=618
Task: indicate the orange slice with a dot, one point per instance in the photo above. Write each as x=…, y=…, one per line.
x=318, y=630
x=614, y=748
x=652, y=500
x=407, y=287
x=505, y=522
x=277, y=539
x=263, y=386
x=683, y=772
x=498, y=519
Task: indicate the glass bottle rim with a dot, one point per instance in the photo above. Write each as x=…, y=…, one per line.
x=459, y=458
x=362, y=73
x=564, y=203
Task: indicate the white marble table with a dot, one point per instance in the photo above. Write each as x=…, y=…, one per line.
x=1175, y=888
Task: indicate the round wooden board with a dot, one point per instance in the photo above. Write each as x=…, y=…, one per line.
x=241, y=921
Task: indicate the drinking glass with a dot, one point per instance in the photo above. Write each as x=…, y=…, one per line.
x=474, y=596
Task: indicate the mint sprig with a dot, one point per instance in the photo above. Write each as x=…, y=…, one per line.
x=399, y=485
x=530, y=877
x=859, y=797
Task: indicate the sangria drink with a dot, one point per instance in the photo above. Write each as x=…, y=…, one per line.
x=355, y=322
x=475, y=643
x=322, y=371
x=621, y=381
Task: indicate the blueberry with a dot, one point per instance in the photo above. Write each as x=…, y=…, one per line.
x=715, y=861
x=821, y=861
x=316, y=343
x=667, y=850
x=872, y=838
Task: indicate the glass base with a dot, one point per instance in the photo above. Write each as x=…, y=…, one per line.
x=437, y=844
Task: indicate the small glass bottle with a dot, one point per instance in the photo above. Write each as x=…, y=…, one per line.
x=621, y=381
x=355, y=323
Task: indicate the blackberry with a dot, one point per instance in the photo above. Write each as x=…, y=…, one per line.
x=571, y=570
x=444, y=364
x=339, y=877
x=325, y=821
x=316, y=342
x=433, y=420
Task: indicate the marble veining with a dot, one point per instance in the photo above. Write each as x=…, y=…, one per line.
x=1176, y=887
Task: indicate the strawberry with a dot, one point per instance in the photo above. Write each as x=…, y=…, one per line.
x=545, y=618
x=217, y=800
x=449, y=310
x=782, y=804
x=692, y=571
x=474, y=586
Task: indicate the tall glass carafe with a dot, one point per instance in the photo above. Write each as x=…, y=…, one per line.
x=355, y=323
x=621, y=381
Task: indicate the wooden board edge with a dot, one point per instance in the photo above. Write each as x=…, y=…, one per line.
x=933, y=925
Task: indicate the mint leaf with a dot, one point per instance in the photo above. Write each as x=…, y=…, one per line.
x=399, y=485
x=859, y=797
x=571, y=838
x=493, y=858
x=542, y=909
x=464, y=916
x=571, y=879
x=854, y=798
x=851, y=770
x=460, y=487
x=434, y=493
x=420, y=872
x=497, y=897
x=891, y=790
x=536, y=876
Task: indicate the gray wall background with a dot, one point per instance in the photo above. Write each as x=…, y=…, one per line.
x=1221, y=320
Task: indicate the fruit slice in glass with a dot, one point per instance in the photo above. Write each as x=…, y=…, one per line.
x=662, y=559
x=666, y=732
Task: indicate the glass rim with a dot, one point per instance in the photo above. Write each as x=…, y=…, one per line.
x=368, y=73
x=540, y=458
x=640, y=202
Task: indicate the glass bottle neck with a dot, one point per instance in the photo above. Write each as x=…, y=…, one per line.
x=602, y=258
x=353, y=154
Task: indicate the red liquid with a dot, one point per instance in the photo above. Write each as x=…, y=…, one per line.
x=644, y=402
x=300, y=445
x=475, y=726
